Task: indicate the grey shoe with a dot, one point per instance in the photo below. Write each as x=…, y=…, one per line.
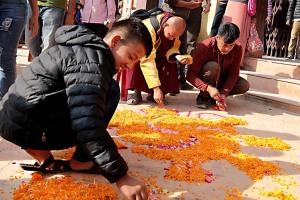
x=202, y=102
x=135, y=99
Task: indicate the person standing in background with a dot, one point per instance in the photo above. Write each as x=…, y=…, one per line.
x=78, y=16
x=191, y=11
x=13, y=18
x=293, y=15
x=52, y=14
x=218, y=17
x=98, y=16
x=237, y=13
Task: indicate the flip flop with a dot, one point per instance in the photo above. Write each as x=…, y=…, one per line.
x=135, y=99
x=58, y=166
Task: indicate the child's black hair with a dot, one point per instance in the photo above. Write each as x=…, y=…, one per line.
x=135, y=29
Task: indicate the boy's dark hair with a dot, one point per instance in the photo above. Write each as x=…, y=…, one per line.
x=135, y=30
x=229, y=31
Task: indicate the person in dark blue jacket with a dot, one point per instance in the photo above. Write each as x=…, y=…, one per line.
x=67, y=96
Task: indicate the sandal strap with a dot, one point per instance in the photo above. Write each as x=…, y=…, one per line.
x=47, y=162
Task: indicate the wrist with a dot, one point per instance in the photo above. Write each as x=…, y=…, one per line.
x=208, y=2
x=208, y=88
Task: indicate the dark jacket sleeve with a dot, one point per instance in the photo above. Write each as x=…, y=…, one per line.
x=291, y=10
x=87, y=87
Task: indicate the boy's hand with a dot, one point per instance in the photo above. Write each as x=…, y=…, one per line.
x=222, y=103
x=288, y=22
x=132, y=188
x=214, y=93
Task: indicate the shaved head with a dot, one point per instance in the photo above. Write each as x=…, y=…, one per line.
x=174, y=27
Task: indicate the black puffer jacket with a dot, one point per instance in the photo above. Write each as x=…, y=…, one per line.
x=73, y=78
x=294, y=10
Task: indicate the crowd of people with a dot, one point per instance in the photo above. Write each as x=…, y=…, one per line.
x=67, y=95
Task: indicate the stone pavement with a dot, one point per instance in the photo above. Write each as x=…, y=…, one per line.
x=263, y=121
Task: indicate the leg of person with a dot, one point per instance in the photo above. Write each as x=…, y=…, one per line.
x=134, y=78
x=218, y=18
x=209, y=75
x=241, y=86
x=33, y=44
x=293, y=41
x=180, y=67
x=52, y=19
x=193, y=25
x=298, y=38
x=12, y=19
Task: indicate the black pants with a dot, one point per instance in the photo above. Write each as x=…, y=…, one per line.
x=218, y=18
x=209, y=75
x=189, y=39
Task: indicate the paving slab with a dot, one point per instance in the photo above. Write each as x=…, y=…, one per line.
x=263, y=121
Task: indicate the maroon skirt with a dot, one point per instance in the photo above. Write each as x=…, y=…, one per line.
x=167, y=73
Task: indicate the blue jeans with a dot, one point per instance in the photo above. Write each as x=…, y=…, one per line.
x=12, y=20
x=50, y=19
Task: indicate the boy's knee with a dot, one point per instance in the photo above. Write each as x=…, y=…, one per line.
x=210, y=69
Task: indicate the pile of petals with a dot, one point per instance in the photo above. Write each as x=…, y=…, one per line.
x=162, y=134
x=63, y=188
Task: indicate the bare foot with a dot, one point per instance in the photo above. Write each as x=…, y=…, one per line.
x=77, y=165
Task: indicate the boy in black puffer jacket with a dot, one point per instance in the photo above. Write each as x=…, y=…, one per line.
x=67, y=96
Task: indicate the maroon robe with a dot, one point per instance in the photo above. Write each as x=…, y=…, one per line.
x=167, y=71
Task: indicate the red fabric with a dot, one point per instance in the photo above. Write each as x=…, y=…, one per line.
x=168, y=74
x=230, y=65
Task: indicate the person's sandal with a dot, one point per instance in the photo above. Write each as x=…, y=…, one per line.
x=58, y=166
x=151, y=99
x=135, y=99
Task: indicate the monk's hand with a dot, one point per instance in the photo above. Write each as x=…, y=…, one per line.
x=158, y=96
x=184, y=59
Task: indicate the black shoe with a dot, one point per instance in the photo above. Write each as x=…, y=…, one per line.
x=172, y=94
x=290, y=57
x=185, y=86
x=202, y=102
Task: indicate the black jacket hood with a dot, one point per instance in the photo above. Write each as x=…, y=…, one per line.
x=73, y=35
